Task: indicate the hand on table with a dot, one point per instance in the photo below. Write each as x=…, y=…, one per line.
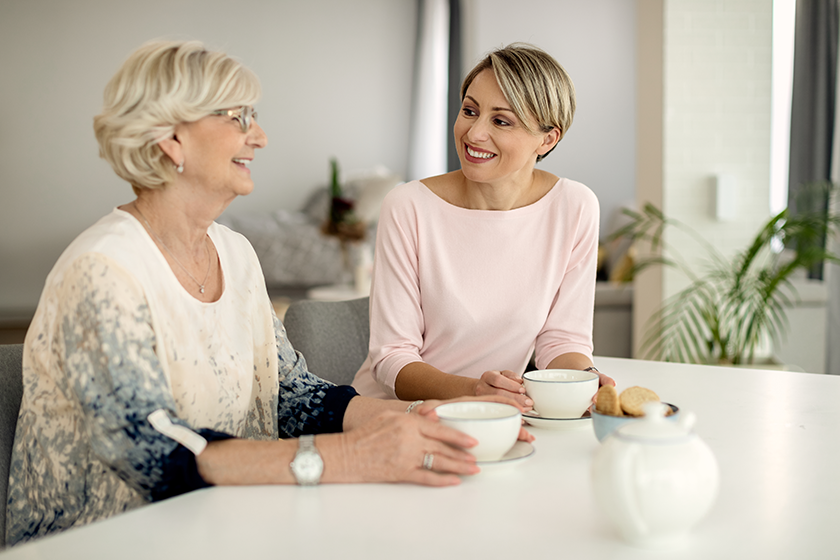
x=393, y=448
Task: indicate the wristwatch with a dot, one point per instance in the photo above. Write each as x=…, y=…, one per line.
x=308, y=465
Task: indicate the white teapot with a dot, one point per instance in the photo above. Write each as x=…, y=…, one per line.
x=655, y=479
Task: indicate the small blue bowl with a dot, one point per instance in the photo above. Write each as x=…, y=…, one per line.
x=605, y=424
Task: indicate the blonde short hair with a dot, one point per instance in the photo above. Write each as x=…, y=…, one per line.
x=162, y=84
x=536, y=86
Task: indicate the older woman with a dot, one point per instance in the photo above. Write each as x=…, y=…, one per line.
x=476, y=269
x=154, y=364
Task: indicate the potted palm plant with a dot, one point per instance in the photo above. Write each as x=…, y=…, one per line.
x=735, y=305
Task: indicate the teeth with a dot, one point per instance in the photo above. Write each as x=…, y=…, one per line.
x=243, y=161
x=482, y=155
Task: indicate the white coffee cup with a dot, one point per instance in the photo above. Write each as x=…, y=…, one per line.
x=561, y=393
x=495, y=426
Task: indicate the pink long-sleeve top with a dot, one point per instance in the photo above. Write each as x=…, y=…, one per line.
x=468, y=291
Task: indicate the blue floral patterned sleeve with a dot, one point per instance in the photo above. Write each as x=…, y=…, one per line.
x=307, y=404
x=113, y=371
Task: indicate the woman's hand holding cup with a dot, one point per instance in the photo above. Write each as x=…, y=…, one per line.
x=504, y=383
x=427, y=408
x=395, y=447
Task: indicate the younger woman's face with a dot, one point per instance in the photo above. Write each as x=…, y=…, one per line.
x=492, y=143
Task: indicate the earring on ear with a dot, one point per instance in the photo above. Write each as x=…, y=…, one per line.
x=180, y=167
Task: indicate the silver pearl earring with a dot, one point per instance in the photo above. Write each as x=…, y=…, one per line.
x=180, y=168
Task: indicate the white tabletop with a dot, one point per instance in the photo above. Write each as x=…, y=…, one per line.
x=776, y=436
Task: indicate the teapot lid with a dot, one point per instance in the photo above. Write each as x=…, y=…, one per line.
x=654, y=427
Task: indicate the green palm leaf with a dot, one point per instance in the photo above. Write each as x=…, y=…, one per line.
x=736, y=304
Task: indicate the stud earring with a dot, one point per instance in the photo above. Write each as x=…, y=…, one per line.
x=180, y=167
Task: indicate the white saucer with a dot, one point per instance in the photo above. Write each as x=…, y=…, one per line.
x=534, y=419
x=520, y=451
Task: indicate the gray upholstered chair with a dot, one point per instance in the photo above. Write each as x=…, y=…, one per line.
x=11, y=388
x=333, y=336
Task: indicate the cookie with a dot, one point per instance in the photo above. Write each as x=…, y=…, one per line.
x=633, y=399
x=607, y=401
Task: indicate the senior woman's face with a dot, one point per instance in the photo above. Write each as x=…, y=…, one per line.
x=491, y=141
x=217, y=153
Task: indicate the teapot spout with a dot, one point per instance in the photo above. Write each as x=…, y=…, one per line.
x=687, y=420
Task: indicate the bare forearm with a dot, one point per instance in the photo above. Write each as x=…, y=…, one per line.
x=419, y=380
x=389, y=448
x=570, y=360
x=236, y=462
x=573, y=360
x=242, y=461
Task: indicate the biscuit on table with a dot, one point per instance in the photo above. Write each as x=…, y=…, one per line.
x=633, y=399
x=607, y=401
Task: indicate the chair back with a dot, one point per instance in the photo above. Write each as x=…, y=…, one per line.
x=11, y=389
x=333, y=336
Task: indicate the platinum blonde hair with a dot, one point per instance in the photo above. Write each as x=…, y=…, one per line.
x=536, y=86
x=162, y=84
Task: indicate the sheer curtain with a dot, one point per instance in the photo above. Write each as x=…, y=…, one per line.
x=429, y=119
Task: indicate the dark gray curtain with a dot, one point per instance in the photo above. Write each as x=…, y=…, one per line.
x=454, y=97
x=813, y=106
x=814, y=82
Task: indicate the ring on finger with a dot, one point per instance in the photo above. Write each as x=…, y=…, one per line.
x=428, y=461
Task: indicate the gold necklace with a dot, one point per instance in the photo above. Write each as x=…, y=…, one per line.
x=171, y=254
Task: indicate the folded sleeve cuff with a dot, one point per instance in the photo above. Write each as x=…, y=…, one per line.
x=180, y=470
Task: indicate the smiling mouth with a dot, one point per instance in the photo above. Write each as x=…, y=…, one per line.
x=478, y=155
x=245, y=162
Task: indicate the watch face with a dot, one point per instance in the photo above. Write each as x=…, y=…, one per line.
x=308, y=467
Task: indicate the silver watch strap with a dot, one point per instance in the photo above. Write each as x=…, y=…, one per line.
x=306, y=443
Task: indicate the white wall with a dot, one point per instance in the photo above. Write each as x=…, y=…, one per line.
x=717, y=104
x=336, y=77
x=595, y=41
x=714, y=82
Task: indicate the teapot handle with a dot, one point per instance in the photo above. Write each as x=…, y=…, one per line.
x=627, y=471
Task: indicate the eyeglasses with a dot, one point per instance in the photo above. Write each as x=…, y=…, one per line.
x=242, y=114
